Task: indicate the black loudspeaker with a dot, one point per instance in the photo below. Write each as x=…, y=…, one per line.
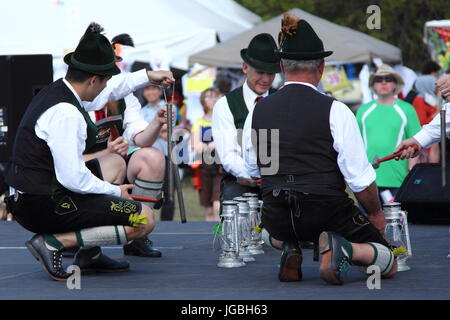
x=21, y=78
x=423, y=196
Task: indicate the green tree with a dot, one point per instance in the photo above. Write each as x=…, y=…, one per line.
x=402, y=21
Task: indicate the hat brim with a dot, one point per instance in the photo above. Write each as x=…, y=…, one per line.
x=111, y=71
x=303, y=55
x=259, y=65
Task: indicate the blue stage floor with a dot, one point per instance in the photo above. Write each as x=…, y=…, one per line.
x=188, y=270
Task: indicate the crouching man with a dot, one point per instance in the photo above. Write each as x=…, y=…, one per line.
x=55, y=195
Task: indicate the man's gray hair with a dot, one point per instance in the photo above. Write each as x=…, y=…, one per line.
x=300, y=65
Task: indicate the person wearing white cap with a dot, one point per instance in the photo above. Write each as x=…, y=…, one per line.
x=385, y=122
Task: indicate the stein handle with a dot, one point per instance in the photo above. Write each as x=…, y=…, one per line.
x=405, y=223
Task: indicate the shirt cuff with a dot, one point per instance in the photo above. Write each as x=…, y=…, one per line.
x=424, y=139
x=363, y=181
x=116, y=190
x=131, y=132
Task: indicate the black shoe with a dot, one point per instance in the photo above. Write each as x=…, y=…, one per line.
x=101, y=264
x=291, y=262
x=51, y=260
x=335, y=261
x=70, y=252
x=141, y=248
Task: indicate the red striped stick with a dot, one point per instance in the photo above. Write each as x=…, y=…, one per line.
x=143, y=198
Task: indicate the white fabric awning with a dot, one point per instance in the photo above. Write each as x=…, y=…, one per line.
x=348, y=45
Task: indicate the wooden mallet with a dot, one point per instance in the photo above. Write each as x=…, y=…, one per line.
x=158, y=202
x=376, y=161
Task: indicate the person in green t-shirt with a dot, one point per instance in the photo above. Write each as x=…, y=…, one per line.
x=384, y=123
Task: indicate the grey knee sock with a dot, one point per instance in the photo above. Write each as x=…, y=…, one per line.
x=148, y=189
x=102, y=236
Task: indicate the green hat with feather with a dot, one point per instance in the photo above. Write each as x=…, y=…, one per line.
x=94, y=53
x=299, y=41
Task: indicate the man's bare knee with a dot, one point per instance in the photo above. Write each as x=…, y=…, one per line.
x=113, y=168
x=155, y=159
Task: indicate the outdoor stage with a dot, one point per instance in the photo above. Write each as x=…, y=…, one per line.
x=188, y=270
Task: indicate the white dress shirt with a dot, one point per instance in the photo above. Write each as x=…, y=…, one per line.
x=348, y=143
x=226, y=136
x=63, y=128
x=431, y=132
x=118, y=87
x=133, y=123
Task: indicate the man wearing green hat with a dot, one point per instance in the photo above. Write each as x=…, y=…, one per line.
x=55, y=195
x=260, y=66
x=319, y=151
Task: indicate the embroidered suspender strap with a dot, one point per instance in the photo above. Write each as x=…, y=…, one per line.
x=237, y=107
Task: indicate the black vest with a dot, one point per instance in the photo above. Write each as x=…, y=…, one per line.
x=237, y=106
x=307, y=159
x=32, y=169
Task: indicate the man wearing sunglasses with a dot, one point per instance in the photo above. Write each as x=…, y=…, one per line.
x=384, y=123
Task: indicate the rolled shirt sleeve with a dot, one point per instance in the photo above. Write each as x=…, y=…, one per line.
x=63, y=128
x=117, y=88
x=352, y=159
x=133, y=123
x=431, y=132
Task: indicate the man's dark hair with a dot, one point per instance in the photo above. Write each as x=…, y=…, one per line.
x=430, y=66
x=79, y=76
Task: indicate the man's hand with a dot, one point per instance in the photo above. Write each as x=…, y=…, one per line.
x=161, y=115
x=407, y=148
x=443, y=87
x=160, y=78
x=378, y=220
x=119, y=146
x=163, y=133
x=124, y=190
x=252, y=182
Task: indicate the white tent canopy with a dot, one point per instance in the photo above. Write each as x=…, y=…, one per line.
x=176, y=28
x=437, y=23
x=348, y=45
